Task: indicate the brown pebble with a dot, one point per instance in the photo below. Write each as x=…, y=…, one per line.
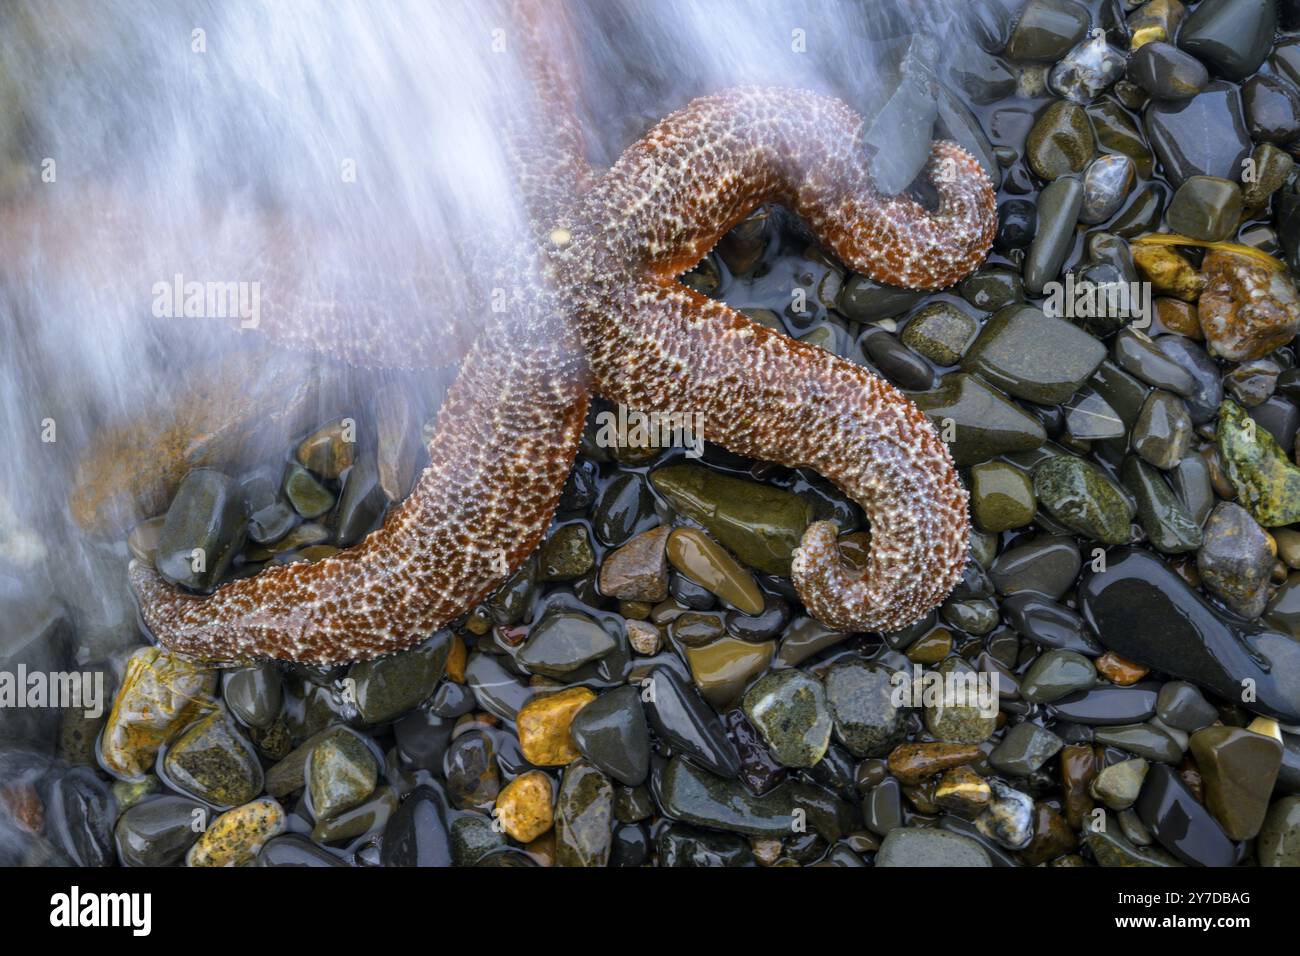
x=963, y=791
x=1078, y=768
x=1119, y=670
x=918, y=762
x=24, y=805
x=931, y=647
x=1052, y=836
x=1179, y=316
x=637, y=571
x=457, y=658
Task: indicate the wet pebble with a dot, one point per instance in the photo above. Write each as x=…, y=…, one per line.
x=203, y=531
x=611, y=733
x=1166, y=72
x=1235, y=559
x=789, y=709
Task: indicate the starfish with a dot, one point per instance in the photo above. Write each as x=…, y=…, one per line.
x=595, y=304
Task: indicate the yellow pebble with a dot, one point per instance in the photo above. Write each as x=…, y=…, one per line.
x=544, y=723
x=524, y=806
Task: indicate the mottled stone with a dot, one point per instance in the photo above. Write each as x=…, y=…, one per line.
x=236, y=837
x=524, y=806
x=544, y=724
x=1081, y=497
x=1247, y=310
x=1266, y=482
x=789, y=709
x=638, y=571
x=1235, y=559
x=160, y=693
x=860, y=696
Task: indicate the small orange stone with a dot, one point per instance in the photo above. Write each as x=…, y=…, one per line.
x=1179, y=316
x=1119, y=670
x=524, y=806
x=544, y=723
x=457, y=657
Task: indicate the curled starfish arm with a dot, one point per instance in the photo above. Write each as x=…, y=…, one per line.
x=703, y=169
x=666, y=202
x=500, y=453
x=804, y=407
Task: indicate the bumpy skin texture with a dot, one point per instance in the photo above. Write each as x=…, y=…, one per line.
x=500, y=454
x=501, y=451
x=511, y=423
x=662, y=207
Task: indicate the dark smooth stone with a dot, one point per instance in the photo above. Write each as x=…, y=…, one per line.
x=1059, y=205
x=629, y=846
x=1232, y=36
x=1123, y=392
x=681, y=716
x=1279, y=417
x=206, y=516
x=580, y=487
x=422, y=739
x=1048, y=565
x=1181, y=706
x=393, y=685
x=1046, y=30
x=451, y=700
x=157, y=832
x=271, y=523
x=253, y=694
x=1272, y=109
x=691, y=595
x=1179, y=823
x=79, y=812
x=562, y=641
x=882, y=810
x=1142, y=610
x=759, y=770
x=1033, y=356
x=1203, y=136
x=1049, y=624
x=623, y=506
x=294, y=849
x=1106, y=706
x=1017, y=223
x=985, y=422
x=683, y=845
x=418, y=834
x=1288, y=777
x=1207, y=390
x=696, y=796
x=611, y=732
x=760, y=627
x=1166, y=72
x=470, y=769
x=361, y=503
x=894, y=360
x=497, y=690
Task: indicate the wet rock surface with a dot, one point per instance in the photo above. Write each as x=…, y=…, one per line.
x=648, y=688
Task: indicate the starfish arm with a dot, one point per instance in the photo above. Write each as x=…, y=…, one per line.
x=766, y=396
x=500, y=453
x=701, y=170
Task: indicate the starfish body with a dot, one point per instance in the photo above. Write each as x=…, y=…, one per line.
x=512, y=420
x=499, y=456
x=664, y=204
